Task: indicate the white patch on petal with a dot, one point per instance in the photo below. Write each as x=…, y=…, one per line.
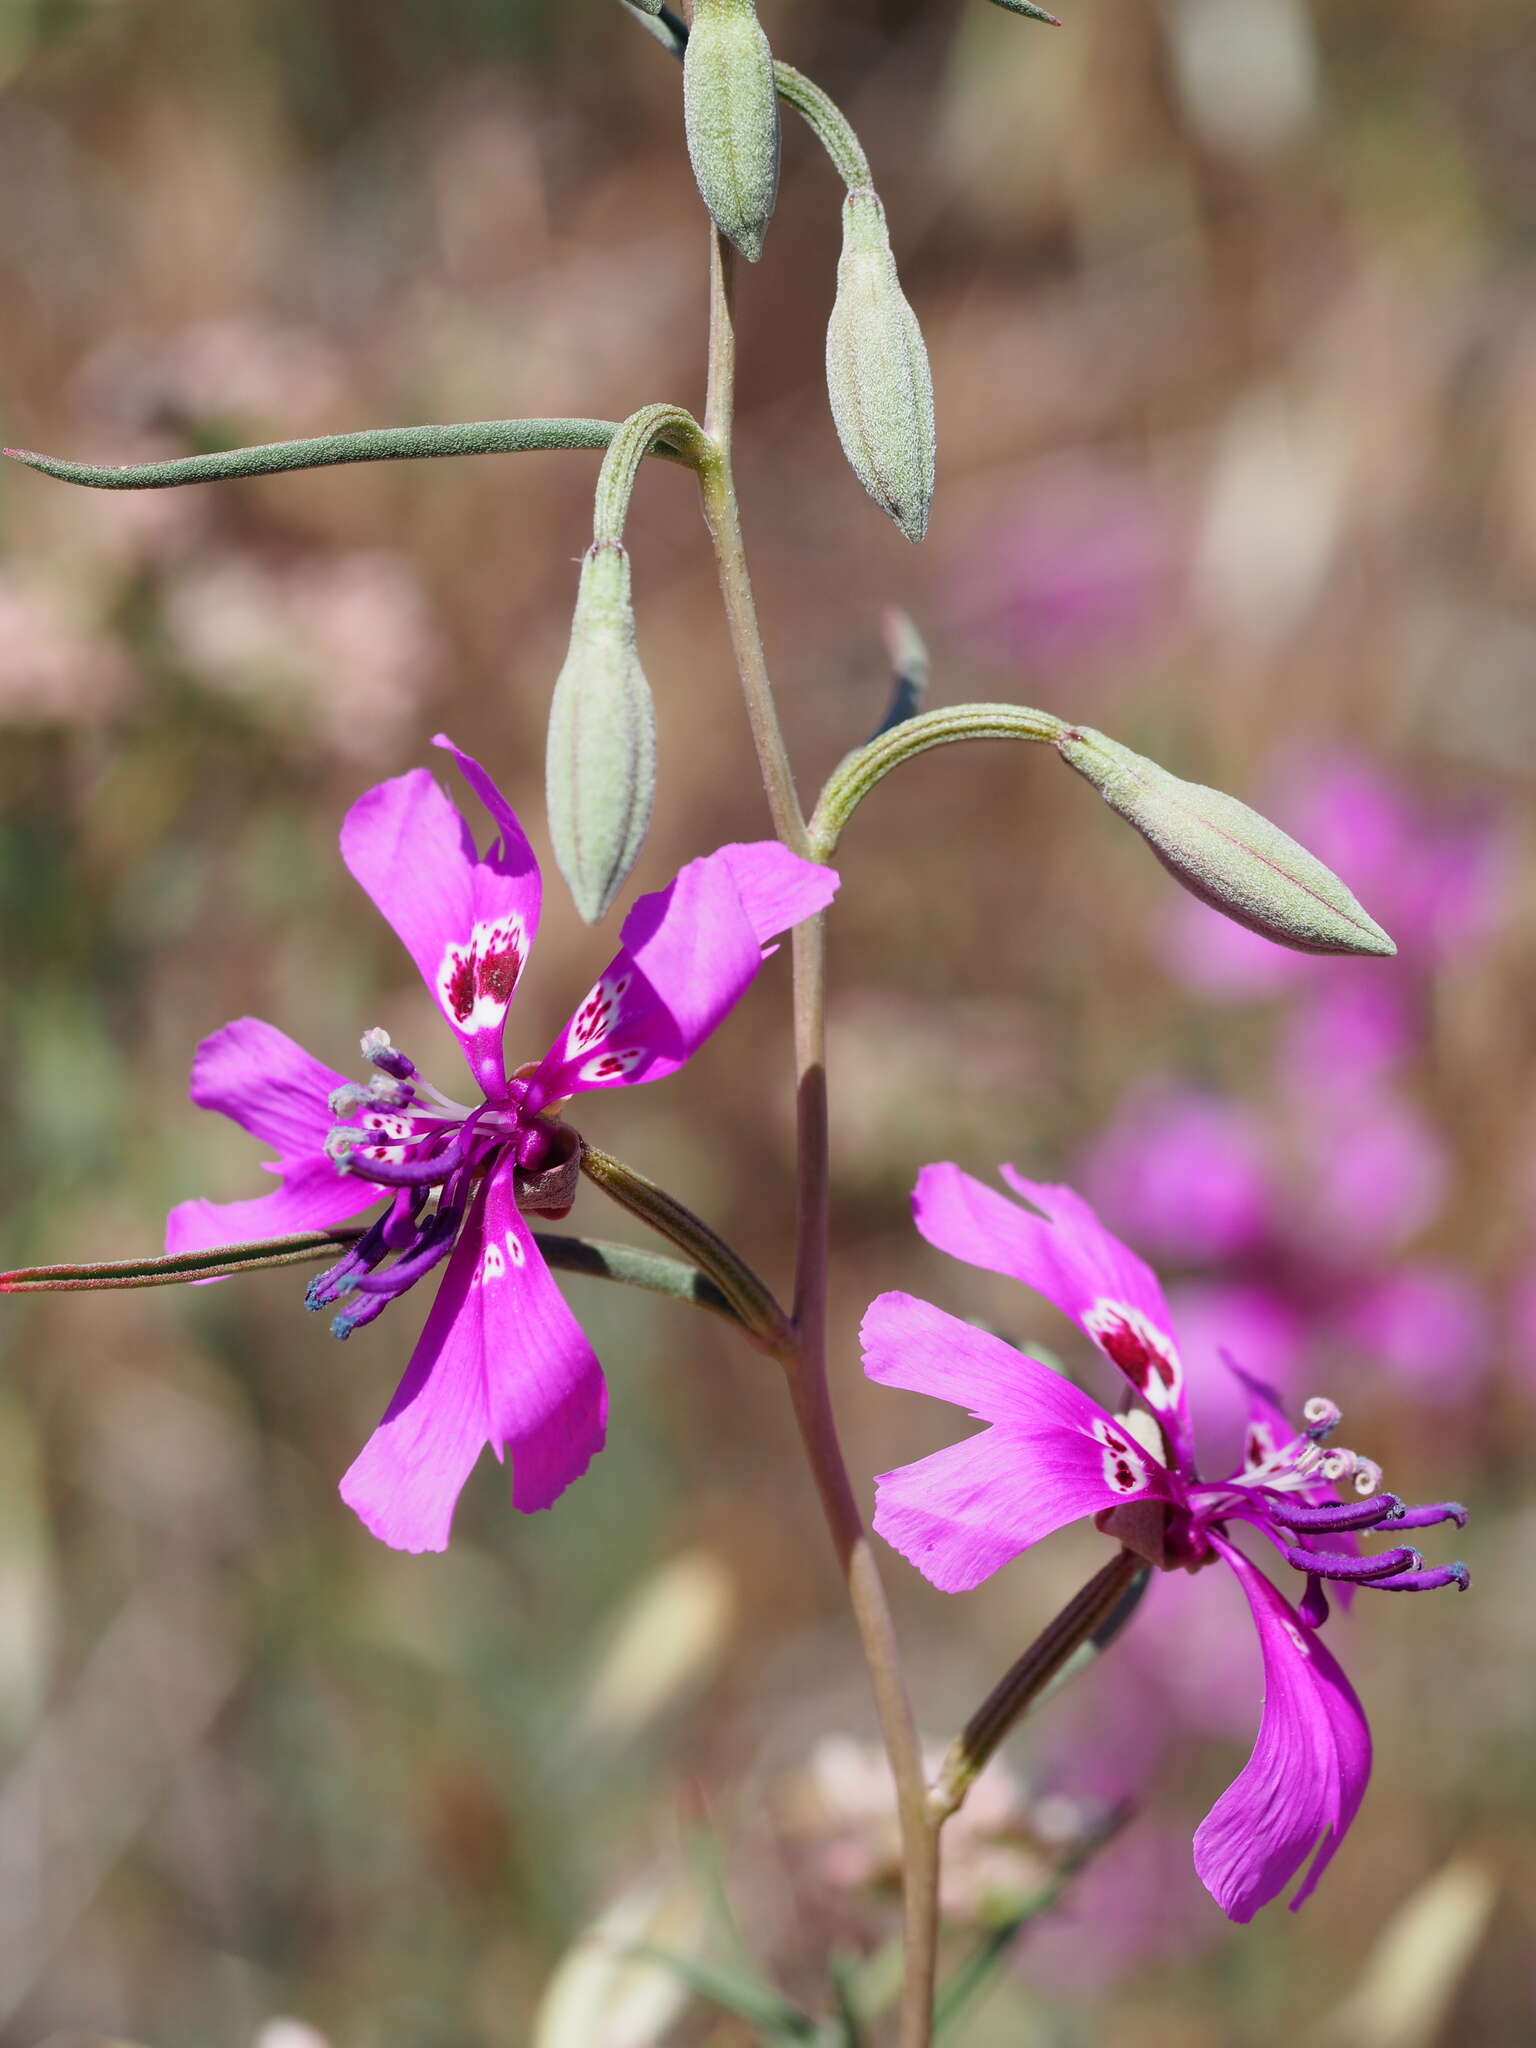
x=515, y=1251
x=1125, y=1470
x=491, y=1267
x=612, y=1065
x=599, y=1014
x=1147, y=1356
x=388, y=1126
x=1298, y=1640
x=475, y=980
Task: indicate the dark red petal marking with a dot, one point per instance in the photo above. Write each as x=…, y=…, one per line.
x=497, y=974
x=461, y=985
x=1136, y=1358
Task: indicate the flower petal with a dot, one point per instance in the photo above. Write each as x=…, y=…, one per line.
x=1067, y=1255
x=468, y=920
x=1303, y=1784
x=501, y=1361
x=313, y=1196
x=1053, y=1457
x=690, y=952
x=269, y=1085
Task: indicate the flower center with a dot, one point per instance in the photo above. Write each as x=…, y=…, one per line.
x=1287, y=1491
x=427, y=1152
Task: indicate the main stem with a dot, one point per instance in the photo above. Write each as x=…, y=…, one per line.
x=806, y=1364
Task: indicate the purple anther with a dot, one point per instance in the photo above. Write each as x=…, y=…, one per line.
x=1333, y=1564
x=360, y=1311
x=1426, y=1581
x=1435, y=1511
x=1312, y=1610
x=378, y=1052
x=1336, y=1515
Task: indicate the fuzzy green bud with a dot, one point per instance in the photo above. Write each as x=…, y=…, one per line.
x=1226, y=854
x=731, y=113
x=1013, y=6
x=600, y=768
x=877, y=372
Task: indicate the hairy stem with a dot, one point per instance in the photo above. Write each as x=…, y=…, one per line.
x=599, y=1258
x=373, y=444
x=750, y=1298
x=1083, y=1616
x=806, y=1362
x=811, y=1394
x=858, y=773
x=718, y=485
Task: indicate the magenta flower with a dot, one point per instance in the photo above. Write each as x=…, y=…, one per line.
x=501, y=1360
x=1052, y=1455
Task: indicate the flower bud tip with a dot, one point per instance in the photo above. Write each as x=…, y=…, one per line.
x=1227, y=854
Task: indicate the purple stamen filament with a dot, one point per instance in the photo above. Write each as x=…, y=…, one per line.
x=1332, y=1564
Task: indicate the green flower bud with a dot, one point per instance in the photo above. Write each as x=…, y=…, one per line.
x=1225, y=853
x=600, y=768
x=1013, y=6
x=877, y=372
x=731, y=113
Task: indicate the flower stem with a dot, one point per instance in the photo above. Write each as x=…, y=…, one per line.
x=806, y=1362
x=1023, y=1683
x=751, y=1299
x=718, y=485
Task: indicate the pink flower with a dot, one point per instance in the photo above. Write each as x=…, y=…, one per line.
x=1052, y=1455
x=1186, y=1170
x=501, y=1361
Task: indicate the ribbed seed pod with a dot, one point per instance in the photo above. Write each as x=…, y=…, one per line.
x=600, y=767
x=731, y=114
x=877, y=372
x=1226, y=854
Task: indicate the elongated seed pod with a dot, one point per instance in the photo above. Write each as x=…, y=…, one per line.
x=600, y=767
x=731, y=114
x=1226, y=854
x=877, y=372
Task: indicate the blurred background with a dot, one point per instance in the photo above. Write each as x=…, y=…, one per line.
x=1233, y=324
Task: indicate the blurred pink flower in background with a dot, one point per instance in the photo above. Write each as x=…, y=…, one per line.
x=1295, y=1210
x=344, y=646
x=1083, y=563
x=250, y=372
x=54, y=670
x=1436, y=874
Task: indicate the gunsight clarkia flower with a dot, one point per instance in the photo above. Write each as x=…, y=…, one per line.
x=501, y=1360
x=1052, y=1455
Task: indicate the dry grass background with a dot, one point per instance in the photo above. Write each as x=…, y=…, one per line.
x=1254, y=274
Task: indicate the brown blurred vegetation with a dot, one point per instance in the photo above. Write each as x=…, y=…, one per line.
x=1267, y=264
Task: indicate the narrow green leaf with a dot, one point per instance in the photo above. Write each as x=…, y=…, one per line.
x=750, y=1998
x=373, y=444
